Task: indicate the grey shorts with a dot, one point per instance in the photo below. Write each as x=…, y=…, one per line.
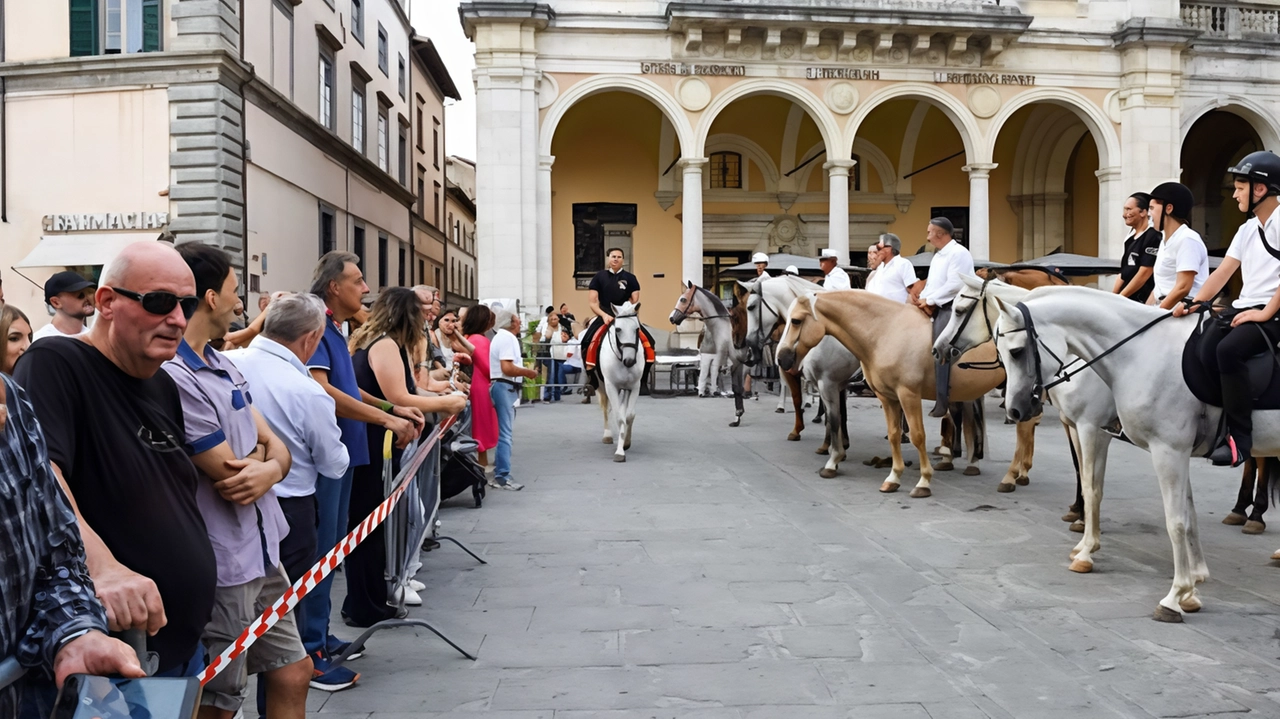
x=234, y=608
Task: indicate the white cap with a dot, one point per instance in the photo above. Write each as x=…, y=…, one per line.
x=759, y=257
x=791, y=270
x=829, y=254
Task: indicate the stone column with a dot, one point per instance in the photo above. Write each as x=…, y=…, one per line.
x=691, y=219
x=545, y=267
x=979, y=230
x=838, y=212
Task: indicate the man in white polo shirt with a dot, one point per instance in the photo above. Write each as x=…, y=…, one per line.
x=895, y=276
x=1182, y=264
x=836, y=277
x=950, y=260
x=507, y=373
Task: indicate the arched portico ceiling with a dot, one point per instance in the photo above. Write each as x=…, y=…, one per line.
x=871, y=155
x=1248, y=110
x=616, y=83
x=966, y=124
x=822, y=117
x=1098, y=124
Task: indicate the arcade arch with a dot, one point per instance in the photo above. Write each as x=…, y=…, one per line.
x=1213, y=142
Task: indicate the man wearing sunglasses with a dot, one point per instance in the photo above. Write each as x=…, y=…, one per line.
x=240, y=461
x=113, y=423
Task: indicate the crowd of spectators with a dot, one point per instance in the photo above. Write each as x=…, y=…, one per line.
x=239, y=455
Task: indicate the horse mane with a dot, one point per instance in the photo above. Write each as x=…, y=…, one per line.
x=715, y=301
x=626, y=309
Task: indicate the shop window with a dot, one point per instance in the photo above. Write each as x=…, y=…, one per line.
x=726, y=170
x=113, y=27
x=714, y=267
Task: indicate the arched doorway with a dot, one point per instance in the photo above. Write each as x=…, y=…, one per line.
x=1214, y=143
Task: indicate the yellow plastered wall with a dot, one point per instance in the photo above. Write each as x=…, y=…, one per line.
x=606, y=150
x=1004, y=221
x=943, y=185
x=1082, y=183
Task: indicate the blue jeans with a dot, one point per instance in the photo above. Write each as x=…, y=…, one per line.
x=562, y=377
x=504, y=398
x=333, y=495
x=554, y=373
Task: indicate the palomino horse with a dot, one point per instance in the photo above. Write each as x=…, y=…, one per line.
x=717, y=321
x=894, y=340
x=1139, y=358
x=829, y=364
x=620, y=367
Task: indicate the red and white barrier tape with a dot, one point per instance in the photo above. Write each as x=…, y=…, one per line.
x=325, y=566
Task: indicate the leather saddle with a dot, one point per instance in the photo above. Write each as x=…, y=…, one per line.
x=1206, y=385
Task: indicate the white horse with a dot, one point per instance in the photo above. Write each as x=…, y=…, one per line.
x=1143, y=369
x=620, y=366
x=829, y=364
x=1085, y=404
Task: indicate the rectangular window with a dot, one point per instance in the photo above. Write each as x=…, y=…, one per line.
x=402, y=166
x=357, y=20
x=328, y=242
x=422, y=192
x=282, y=47
x=382, y=140
x=726, y=170
x=400, y=266
x=404, y=79
x=435, y=140
x=589, y=222
x=112, y=27
x=435, y=218
x=114, y=30
x=357, y=244
x=419, y=129
x=383, y=275
x=422, y=271
x=357, y=119
x=327, y=114
x=382, y=50
x=438, y=277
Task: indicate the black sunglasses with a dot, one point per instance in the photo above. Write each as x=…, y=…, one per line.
x=161, y=303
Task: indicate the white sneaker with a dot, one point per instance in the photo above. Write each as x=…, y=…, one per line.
x=412, y=598
x=509, y=485
x=416, y=586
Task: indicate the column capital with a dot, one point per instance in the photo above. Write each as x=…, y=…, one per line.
x=979, y=169
x=838, y=168
x=546, y=161
x=692, y=164
x=1107, y=174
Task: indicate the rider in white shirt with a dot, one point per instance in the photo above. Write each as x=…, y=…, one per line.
x=1255, y=251
x=836, y=277
x=896, y=275
x=1182, y=264
x=950, y=260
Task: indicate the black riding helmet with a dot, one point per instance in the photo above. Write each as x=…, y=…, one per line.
x=1261, y=167
x=1178, y=195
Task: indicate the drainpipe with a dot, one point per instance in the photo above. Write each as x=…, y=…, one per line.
x=4, y=125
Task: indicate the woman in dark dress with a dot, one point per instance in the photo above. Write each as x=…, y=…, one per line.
x=381, y=358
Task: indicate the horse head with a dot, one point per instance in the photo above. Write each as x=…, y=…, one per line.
x=684, y=305
x=1016, y=343
x=761, y=319
x=971, y=319
x=738, y=322
x=625, y=332
x=803, y=331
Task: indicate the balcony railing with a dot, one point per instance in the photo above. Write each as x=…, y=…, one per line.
x=1232, y=20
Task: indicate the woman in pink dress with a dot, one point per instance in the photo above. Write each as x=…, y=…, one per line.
x=484, y=418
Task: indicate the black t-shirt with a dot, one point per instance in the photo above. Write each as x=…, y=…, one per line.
x=1140, y=251
x=119, y=443
x=613, y=289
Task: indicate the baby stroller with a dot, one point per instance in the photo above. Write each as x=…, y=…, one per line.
x=459, y=470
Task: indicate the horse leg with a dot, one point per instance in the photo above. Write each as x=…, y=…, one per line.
x=893, y=420
x=831, y=398
x=739, y=391
x=915, y=422
x=604, y=408
x=1199, y=568
x=1173, y=471
x=1255, y=525
x=1239, y=513
x=1076, y=511
x=797, y=397
x=971, y=430
x=1094, y=444
x=618, y=406
x=629, y=416
x=949, y=432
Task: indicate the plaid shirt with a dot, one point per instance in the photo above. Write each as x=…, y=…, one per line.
x=45, y=590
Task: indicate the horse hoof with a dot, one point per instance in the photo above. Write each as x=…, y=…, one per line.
x=1275, y=556
x=735, y=423
x=793, y=437
x=821, y=450
x=1081, y=566
x=1234, y=519
x=827, y=473
x=944, y=466
x=920, y=492
x=972, y=471
x=1165, y=614
x=1072, y=516
x=779, y=410
x=874, y=461
x=1074, y=551
x=626, y=447
x=1252, y=527
x=619, y=457
x=1005, y=488
x=1077, y=526
x=891, y=487
x=1190, y=605
x=607, y=440
x=1023, y=481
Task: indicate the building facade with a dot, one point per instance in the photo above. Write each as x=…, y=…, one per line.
x=432, y=85
x=693, y=133
x=279, y=134
x=460, y=206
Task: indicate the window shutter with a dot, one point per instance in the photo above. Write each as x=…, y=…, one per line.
x=150, y=25
x=84, y=27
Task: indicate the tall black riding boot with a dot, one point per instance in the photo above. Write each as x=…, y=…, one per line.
x=1237, y=405
x=942, y=379
x=645, y=390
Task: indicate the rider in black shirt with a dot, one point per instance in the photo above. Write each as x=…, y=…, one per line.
x=1140, y=248
x=613, y=286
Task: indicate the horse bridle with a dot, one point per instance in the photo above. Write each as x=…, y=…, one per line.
x=618, y=345
x=687, y=297
x=758, y=290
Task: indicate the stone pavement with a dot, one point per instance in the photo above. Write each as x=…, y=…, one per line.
x=716, y=576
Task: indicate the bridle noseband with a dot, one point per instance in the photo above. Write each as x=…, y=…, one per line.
x=619, y=345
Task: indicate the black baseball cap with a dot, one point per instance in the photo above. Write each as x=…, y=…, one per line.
x=65, y=281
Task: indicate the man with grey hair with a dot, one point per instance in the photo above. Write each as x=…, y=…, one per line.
x=895, y=278
x=507, y=373
x=302, y=415
x=950, y=261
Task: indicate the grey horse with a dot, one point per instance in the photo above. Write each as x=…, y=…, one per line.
x=720, y=338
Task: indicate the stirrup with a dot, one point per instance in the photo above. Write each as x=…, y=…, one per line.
x=1226, y=454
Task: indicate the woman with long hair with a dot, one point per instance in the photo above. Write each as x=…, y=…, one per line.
x=380, y=353
x=15, y=337
x=484, y=418
x=449, y=336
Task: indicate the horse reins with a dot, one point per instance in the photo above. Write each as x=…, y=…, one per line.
x=688, y=298
x=618, y=345
x=964, y=322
